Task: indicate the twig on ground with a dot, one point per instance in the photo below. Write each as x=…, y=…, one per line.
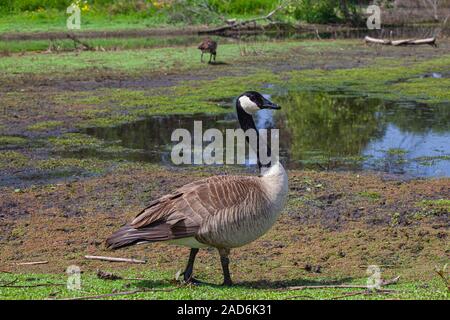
x=8, y=283
x=114, y=259
x=107, y=295
x=339, y=286
x=300, y=296
x=441, y=273
x=389, y=282
x=34, y=285
x=364, y=293
x=32, y=263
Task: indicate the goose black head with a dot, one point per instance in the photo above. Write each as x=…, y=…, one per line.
x=252, y=101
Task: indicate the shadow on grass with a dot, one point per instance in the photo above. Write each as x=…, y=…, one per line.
x=218, y=63
x=258, y=284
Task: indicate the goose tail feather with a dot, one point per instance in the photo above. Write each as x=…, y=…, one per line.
x=128, y=235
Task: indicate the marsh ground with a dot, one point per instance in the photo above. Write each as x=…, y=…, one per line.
x=58, y=206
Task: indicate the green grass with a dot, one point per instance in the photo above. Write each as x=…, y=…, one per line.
x=91, y=285
x=105, y=43
x=53, y=20
x=158, y=59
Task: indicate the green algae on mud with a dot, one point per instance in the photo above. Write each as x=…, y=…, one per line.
x=111, y=107
x=392, y=80
x=45, y=125
x=12, y=141
x=12, y=160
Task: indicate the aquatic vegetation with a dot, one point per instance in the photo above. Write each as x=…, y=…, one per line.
x=378, y=80
x=74, y=141
x=45, y=125
x=92, y=165
x=12, y=159
x=396, y=152
x=12, y=140
x=434, y=207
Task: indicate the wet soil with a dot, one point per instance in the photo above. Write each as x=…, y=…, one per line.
x=329, y=221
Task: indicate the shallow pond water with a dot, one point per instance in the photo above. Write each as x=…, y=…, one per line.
x=320, y=131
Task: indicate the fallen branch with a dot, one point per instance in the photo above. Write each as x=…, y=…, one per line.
x=107, y=295
x=340, y=286
x=404, y=42
x=32, y=263
x=114, y=259
x=442, y=274
x=8, y=283
x=33, y=285
x=233, y=25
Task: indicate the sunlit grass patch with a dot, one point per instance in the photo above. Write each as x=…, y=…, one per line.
x=54, y=286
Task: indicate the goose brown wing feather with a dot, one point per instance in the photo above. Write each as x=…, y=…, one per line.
x=198, y=200
x=192, y=209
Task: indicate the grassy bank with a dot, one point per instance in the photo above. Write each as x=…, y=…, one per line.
x=165, y=289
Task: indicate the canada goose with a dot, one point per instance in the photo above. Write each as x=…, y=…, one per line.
x=208, y=46
x=223, y=212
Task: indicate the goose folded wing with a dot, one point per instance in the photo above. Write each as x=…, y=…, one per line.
x=197, y=201
x=182, y=213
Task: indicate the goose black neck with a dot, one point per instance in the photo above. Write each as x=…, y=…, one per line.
x=246, y=122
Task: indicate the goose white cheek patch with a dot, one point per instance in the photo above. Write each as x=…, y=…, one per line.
x=248, y=105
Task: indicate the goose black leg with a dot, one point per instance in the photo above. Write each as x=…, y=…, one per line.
x=187, y=275
x=201, y=58
x=210, y=57
x=225, y=261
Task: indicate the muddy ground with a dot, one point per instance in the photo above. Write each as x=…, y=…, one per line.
x=335, y=224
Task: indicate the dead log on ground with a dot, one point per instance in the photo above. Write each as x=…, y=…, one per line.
x=403, y=42
x=232, y=24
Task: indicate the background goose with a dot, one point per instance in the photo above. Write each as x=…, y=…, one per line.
x=208, y=46
x=221, y=211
